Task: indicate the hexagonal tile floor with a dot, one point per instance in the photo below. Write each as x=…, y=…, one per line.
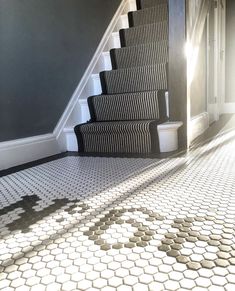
x=85, y=223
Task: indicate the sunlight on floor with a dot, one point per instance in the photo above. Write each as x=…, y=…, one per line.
x=83, y=223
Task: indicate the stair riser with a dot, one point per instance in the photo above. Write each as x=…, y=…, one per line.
x=144, y=34
x=148, y=16
x=142, y=4
x=140, y=106
x=137, y=56
x=136, y=80
x=120, y=143
x=136, y=139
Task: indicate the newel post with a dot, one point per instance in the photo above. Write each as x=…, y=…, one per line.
x=178, y=97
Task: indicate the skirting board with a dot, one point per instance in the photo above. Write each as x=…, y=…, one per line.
x=198, y=125
x=228, y=108
x=71, y=140
x=20, y=151
x=212, y=110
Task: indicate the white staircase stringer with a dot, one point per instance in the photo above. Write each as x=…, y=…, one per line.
x=77, y=109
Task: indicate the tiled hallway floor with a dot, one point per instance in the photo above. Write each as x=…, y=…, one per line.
x=81, y=223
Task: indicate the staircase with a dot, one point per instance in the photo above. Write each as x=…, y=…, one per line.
x=125, y=117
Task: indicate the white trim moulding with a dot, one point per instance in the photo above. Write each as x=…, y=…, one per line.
x=20, y=151
x=228, y=108
x=198, y=125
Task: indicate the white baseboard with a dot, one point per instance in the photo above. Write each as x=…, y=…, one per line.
x=168, y=136
x=228, y=108
x=20, y=151
x=124, y=22
x=71, y=139
x=115, y=43
x=107, y=60
x=132, y=5
x=84, y=111
x=198, y=125
x=212, y=109
x=96, y=84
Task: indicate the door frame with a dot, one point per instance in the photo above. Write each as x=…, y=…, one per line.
x=215, y=109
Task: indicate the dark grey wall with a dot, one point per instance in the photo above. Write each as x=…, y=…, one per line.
x=198, y=91
x=45, y=47
x=230, y=51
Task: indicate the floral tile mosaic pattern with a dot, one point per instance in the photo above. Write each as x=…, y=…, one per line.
x=85, y=223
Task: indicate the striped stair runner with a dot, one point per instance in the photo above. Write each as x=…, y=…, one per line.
x=127, y=106
x=138, y=79
x=149, y=15
x=140, y=55
x=118, y=137
x=142, y=4
x=144, y=34
x=124, y=118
